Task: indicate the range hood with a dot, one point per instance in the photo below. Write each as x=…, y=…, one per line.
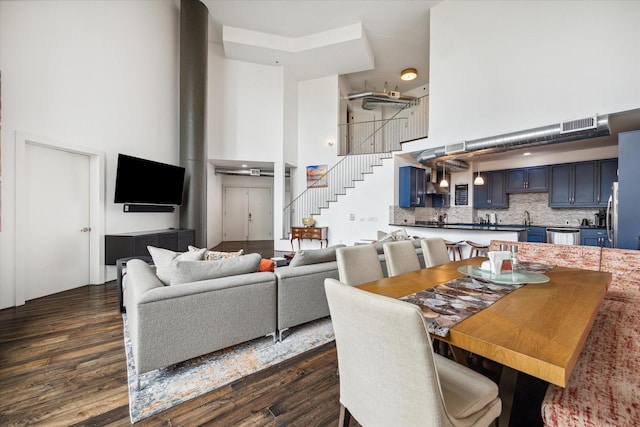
x=432, y=187
x=590, y=127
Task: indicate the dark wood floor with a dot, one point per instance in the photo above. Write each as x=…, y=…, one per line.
x=62, y=362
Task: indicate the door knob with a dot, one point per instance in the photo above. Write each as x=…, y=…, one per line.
x=86, y=229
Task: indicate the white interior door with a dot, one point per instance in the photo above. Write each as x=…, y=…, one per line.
x=260, y=214
x=236, y=214
x=57, y=220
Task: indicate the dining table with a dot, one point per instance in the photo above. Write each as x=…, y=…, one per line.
x=538, y=329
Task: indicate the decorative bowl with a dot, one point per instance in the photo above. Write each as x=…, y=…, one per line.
x=308, y=222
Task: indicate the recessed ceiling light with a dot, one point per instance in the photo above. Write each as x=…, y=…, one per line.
x=244, y=166
x=409, y=74
x=526, y=154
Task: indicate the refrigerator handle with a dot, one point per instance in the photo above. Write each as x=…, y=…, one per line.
x=608, y=220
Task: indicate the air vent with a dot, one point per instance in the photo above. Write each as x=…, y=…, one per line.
x=457, y=147
x=579, y=125
x=254, y=172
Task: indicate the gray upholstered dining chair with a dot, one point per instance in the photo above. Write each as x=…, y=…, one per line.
x=401, y=257
x=389, y=374
x=434, y=251
x=358, y=264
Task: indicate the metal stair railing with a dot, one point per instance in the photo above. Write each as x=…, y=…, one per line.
x=382, y=137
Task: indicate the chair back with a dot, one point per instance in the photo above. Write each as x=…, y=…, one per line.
x=358, y=264
x=401, y=257
x=385, y=359
x=434, y=251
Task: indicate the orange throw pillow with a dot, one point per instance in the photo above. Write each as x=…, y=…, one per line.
x=267, y=265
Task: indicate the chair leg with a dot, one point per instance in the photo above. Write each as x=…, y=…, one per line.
x=345, y=417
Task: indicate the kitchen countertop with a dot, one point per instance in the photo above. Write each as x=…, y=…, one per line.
x=490, y=227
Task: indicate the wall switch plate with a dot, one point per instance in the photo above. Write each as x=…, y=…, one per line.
x=352, y=217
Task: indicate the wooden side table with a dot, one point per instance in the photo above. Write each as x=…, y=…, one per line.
x=311, y=233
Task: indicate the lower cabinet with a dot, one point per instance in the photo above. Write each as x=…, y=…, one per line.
x=537, y=234
x=594, y=237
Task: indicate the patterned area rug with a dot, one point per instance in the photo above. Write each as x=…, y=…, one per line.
x=164, y=388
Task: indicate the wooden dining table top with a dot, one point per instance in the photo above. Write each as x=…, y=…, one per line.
x=538, y=329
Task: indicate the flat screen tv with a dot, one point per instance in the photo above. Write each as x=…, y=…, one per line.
x=145, y=181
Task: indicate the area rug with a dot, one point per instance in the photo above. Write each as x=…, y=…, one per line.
x=164, y=388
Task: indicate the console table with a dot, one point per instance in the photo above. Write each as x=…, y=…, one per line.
x=311, y=233
x=134, y=244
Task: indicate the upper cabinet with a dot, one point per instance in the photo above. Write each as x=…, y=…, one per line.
x=493, y=193
x=527, y=180
x=412, y=187
x=584, y=184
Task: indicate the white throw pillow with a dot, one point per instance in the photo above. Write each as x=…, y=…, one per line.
x=165, y=259
x=216, y=255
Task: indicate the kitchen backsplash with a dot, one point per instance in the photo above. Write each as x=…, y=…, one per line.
x=536, y=203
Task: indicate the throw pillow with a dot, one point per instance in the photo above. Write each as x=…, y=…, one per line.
x=267, y=265
x=400, y=234
x=315, y=256
x=194, y=271
x=215, y=255
x=165, y=259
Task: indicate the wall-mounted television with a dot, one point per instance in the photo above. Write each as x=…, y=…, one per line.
x=145, y=181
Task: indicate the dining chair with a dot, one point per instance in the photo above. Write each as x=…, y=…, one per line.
x=389, y=374
x=434, y=251
x=358, y=264
x=401, y=257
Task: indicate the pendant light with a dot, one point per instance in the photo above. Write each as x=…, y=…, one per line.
x=478, y=180
x=444, y=183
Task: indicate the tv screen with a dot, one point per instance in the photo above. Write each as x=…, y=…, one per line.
x=145, y=181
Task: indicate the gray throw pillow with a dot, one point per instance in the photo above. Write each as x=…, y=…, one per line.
x=165, y=259
x=194, y=271
x=315, y=256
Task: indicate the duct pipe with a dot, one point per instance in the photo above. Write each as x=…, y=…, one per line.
x=194, y=18
x=545, y=135
x=246, y=172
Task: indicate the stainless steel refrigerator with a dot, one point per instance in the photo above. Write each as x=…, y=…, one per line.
x=612, y=216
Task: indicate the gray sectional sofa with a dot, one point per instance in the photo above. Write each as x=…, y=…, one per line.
x=177, y=315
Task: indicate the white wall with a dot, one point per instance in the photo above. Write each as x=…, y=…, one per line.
x=101, y=75
x=499, y=66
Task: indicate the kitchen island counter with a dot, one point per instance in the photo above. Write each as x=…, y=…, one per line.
x=478, y=233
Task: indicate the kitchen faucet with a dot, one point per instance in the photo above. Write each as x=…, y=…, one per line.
x=527, y=218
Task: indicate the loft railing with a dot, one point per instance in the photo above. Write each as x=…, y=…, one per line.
x=366, y=145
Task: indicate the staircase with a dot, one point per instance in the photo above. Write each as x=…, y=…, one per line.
x=369, y=144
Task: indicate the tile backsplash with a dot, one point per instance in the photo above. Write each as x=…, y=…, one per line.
x=535, y=203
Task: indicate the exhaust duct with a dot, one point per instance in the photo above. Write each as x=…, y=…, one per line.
x=591, y=127
x=247, y=172
x=371, y=100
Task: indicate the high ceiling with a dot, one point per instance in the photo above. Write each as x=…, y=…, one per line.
x=310, y=37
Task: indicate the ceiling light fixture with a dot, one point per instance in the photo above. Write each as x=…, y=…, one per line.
x=478, y=180
x=409, y=74
x=444, y=183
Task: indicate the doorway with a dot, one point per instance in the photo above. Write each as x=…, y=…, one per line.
x=59, y=217
x=248, y=213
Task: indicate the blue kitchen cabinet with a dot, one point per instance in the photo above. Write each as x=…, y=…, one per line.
x=411, y=192
x=628, y=191
x=537, y=234
x=493, y=193
x=607, y=175
x=594, y=237
x=527, y=180
x=572, y=185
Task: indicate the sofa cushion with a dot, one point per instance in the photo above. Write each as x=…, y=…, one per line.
x=165, y=259
x=194, y=271
x=315, y=256
x=216, y=255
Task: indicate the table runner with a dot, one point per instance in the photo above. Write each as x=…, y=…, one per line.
x=447, y=304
